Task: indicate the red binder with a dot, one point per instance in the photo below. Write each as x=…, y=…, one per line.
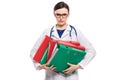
x=51, y=47
x=72, y=44
x=41, y=49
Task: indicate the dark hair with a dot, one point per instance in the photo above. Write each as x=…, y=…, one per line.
x=60, y=5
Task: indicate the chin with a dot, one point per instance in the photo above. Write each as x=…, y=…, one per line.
x=61, y=24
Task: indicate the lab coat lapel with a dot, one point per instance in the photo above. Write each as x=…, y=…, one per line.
x=66, y=32
x=55, y=33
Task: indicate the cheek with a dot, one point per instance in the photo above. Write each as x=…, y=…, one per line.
x=63, y=20
x=57, y=19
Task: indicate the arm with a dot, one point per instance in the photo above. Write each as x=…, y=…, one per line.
x=90, y=51
x=37, y=65
x=34, y=50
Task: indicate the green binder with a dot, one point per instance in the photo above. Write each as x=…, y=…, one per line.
x=44, y=57
x=64, y=55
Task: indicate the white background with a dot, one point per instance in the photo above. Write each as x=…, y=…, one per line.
x=22, y=22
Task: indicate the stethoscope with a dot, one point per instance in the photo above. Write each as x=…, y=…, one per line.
x=72, y=28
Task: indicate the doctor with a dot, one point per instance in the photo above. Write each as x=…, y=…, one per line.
x=64, y=31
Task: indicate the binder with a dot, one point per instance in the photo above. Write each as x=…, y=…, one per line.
x=64, y=54
x=41, y=49
x=72, y=44
x=44, y=57
x=52, y=46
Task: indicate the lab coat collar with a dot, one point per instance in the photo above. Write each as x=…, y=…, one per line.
x=68, y=28
x=65, y=33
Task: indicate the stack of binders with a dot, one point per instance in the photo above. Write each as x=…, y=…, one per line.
x=59, y=53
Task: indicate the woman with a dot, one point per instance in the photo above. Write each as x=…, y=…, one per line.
x=64, y=31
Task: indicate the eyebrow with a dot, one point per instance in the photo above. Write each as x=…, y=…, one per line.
x=61, y=13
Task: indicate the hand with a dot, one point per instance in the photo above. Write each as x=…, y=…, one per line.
x=71, y=68
x=45, y=66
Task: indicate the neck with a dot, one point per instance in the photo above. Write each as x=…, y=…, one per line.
x=61, y=27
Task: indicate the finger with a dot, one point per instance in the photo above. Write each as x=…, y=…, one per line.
x=69, y=64
x=42, y=66
x=53, y=68
x=50, y=68
x=46, y=64
x=46, y=68
x=69, y=71
x=66, y=70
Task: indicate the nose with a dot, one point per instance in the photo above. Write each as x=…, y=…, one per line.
x=61, y=17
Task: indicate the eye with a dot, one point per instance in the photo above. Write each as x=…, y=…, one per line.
x=58, y=14
x=61, y=15
x=64, y=14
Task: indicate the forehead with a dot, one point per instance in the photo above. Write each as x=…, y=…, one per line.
x=62, y=10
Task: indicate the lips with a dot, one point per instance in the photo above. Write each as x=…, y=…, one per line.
x=61, y=21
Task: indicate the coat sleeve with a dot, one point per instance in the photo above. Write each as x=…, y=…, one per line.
x=35, y=48
x=90, y=51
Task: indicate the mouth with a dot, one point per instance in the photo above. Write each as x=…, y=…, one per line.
x=61, y=21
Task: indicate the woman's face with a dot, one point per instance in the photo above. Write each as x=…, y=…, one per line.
x=61, y=16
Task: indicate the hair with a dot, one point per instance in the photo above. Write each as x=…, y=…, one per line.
x=60, y=5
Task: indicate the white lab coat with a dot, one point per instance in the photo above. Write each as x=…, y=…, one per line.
x=50, y=75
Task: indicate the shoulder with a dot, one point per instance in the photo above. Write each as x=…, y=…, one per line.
x=47, y=31
x=76, y=29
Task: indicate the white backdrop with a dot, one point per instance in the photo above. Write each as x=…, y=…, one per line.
x=22, y=22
